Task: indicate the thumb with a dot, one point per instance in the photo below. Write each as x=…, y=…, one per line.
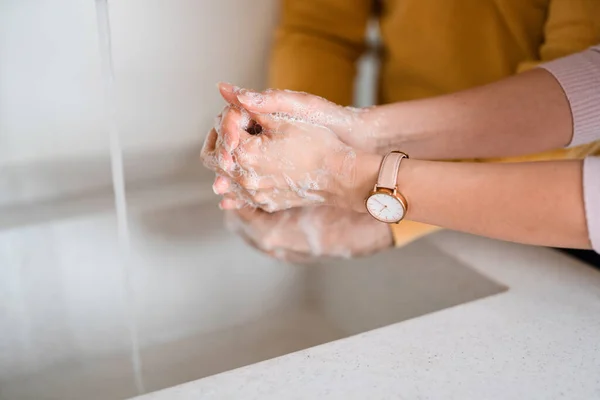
x=229, y=92
x=298, y=104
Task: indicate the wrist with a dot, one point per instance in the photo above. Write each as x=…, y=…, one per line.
x=398, y=126
x=404, y=183
x=365, y=177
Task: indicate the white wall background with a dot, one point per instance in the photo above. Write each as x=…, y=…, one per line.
x=168, y=56
x=50, y=82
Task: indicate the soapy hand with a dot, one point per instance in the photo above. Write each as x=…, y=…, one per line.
x=357, y=127
x=307, y=234
x=296, y=161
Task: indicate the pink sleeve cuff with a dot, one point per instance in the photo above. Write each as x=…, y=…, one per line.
x=591, y=195
x=579, y=76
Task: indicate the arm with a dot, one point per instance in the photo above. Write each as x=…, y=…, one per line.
x=317, y=45
x=571, y=26
x=296, y=164
x=534, y=203
x=523, y=114
x=538, y=203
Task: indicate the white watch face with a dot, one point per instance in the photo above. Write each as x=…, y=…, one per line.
x=385, y=208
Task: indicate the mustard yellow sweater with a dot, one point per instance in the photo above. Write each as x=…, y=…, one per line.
x=430, y=47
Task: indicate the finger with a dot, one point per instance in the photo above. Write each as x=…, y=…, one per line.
x=251, y=183
x=274, y=200
x=221, y=185
x=210, y=142
x=248, y=214
x=250, y=150
x=283, y=101
x=236, y=192
x=231, y=204
x=207, y=154
x=223, y=161
x=267, y=202
x=217, y=121
x=238, y=199
x=229, y=92
x=228, y=188
x=238, y=195
x=234, y=123
x=269, y=123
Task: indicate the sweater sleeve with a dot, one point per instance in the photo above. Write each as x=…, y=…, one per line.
x=571, y=26
x=579, y=76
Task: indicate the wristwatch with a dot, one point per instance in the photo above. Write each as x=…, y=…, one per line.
x=385, y=203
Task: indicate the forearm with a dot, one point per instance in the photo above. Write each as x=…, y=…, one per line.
x=534, y=203
x=523, y=114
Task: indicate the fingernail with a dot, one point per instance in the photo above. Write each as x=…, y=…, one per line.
x=225, y=87
x=242, y=98
x=250, y=98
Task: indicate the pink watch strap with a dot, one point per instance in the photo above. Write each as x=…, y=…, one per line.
x=388, y=173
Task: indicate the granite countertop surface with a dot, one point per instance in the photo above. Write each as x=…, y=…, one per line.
x=540, y=339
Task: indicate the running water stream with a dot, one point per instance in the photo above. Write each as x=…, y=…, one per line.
x=116, y=157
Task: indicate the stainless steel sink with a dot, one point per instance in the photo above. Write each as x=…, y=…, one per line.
x=204, y=302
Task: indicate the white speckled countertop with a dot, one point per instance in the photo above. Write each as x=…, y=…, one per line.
x=538, y=340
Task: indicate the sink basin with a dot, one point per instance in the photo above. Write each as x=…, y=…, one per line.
x=203, y=302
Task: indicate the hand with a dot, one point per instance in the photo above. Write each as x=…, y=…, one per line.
x=215, y=156
x=307, y=234
x=356, y=127
x=292, y=163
